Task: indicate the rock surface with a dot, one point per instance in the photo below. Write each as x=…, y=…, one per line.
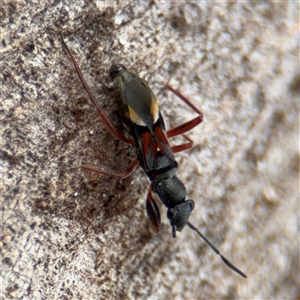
x=67, y=234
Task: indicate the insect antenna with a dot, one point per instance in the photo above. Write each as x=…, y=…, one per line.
x=225, y=260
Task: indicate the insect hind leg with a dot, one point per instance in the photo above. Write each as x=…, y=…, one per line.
x=101, y=113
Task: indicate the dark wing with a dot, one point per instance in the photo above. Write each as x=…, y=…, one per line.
x=148, y=128
x=142, y=105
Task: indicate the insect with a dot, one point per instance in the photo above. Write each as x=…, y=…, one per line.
x=140, y=111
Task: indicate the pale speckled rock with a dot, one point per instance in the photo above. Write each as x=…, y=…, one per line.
x=71, y=235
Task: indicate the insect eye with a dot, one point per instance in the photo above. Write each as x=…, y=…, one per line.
x=171, y=213
x=191, y=203
x=116, y=70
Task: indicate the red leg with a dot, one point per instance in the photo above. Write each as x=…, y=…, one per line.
x=188, y=125
x=101, y=113
x=183, y=147
x=122, y=175
x=153, y=211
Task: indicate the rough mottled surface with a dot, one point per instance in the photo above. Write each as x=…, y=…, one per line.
x=67, y=234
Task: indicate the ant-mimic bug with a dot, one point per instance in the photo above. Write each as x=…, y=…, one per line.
x=140, y=111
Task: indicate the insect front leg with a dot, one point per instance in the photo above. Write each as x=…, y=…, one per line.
x=153, y=210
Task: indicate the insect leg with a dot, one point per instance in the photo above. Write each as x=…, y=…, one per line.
x=121, y=175
x=183, y=147
x=101, y=113
x=188, y=125
x=153, y=211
